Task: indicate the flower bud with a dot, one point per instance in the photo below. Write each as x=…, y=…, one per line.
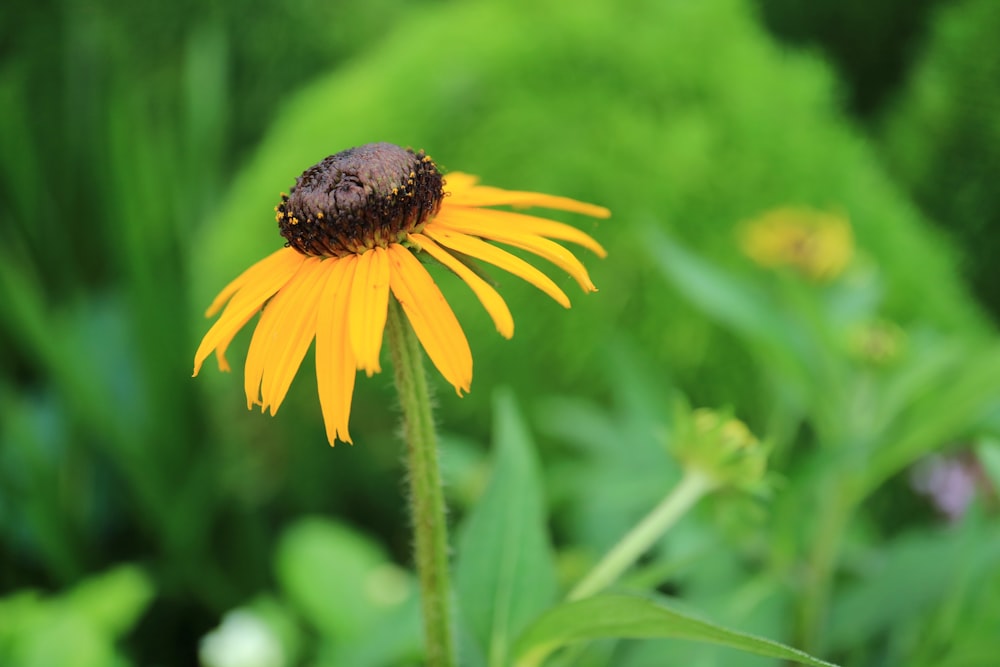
x=721, y=448
x=816, y=244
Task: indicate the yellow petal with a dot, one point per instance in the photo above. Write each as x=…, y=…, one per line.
x=432, y=318
x=464, y=192
x=489, y=297
x=368, y=309
x=220, y=350
x=295, y=329
x=456, y=183
x=471, y=221
x=336, y=367
x=270, y=332
x=284, y=261
x=479, y=249
x=489, y=221
x=255, y=286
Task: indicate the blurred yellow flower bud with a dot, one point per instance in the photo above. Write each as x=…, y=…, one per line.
x=817, y=244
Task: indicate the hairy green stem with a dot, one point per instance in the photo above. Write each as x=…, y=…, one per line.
x=692, y=487
x=427, y=506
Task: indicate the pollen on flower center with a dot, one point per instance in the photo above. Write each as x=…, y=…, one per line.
x=364, y=197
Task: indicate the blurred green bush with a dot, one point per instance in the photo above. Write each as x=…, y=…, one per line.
x=942, y=136
x=872, y=46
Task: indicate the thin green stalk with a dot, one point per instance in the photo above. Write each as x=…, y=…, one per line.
x=832, y=522
x=427, y=508
x=692, y=487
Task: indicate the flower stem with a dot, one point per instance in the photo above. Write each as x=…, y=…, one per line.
x=692, y=487
x=427, y=506
x=832, y=521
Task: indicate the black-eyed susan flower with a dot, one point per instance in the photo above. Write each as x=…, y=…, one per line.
x=817, y=244
x=354, y=225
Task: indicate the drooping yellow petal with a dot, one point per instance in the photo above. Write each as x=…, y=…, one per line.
x=336, y=367
x=489, y=297
x=479, y=249
x=432, y=318
x=220, y=350
x=284, y=261
x=489, y=222
x=471, y=221
x=294, y=331
x=368, y=308
x=463, y=191
x=269, y=333
x=255, y=286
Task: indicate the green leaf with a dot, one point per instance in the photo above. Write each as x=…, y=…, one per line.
x=736, y=304
x=602, y=492
x=962, y=395
x=916, y=575
x=789, y=345
x=340, y=580
x=505, y=573
x=633, y=617
x=77, y=628
x=988, y=452
x=113, y=601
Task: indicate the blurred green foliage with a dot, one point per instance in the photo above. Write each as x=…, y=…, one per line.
x=143, y=146
x=79, y=627
x=872, y=46
x=942, y=135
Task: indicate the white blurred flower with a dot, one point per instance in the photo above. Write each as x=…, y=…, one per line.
x=242, y=640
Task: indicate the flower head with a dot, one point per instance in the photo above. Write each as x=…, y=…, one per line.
x=720, y=447
x=354, y=225
x=816, y=244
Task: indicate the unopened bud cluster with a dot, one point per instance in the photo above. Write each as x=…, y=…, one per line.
x=720, y=447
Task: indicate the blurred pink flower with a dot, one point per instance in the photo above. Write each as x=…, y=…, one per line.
x=949, y=482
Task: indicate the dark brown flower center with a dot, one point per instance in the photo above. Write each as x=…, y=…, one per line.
x=368, y=196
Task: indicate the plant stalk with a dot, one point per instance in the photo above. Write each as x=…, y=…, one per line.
x=427, y=507
x=831, y=525
x=692, y=488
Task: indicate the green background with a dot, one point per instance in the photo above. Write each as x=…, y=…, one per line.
x=143, y=147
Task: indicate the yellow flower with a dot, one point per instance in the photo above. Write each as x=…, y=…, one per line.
x=818, y=245
x=353, y=225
